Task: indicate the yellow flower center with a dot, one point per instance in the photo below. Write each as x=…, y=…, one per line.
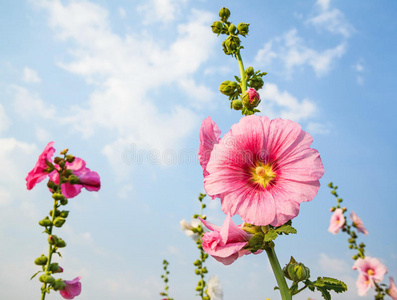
x=263, y=174
x=370, y=272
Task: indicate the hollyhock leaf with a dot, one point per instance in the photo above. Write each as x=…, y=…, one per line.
x=325, y=284
x=286, y=229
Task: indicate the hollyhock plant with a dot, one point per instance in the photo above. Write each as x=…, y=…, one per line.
x=226, y=243
x=261, y=170
x=337, y=221
x=392, y=290
x=72, y=288
x=42, y=168
x=358, y=223
x=86, y=178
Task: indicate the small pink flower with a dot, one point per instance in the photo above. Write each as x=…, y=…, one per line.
x=226, y=243
x=41, y=169
x=72, y=288
x=337, y=221
x=262, y=169
x=372, y=267
x=88, y=179
x=358, y=223
x=363, y=284
x=392, y=290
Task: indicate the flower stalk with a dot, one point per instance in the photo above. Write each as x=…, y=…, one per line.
x=278, y=273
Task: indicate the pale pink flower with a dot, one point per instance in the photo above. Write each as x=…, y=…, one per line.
x=262, y=169
x=41, y=169
x=226, y=243
x=88, y=179
x=72, y=288
x=337, y=221
x=214, y=288
x=371, y=270
x=358, y=223
x=363, y=284
x=392, y=290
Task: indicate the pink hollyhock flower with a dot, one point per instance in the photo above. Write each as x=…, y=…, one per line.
x=226, y=243
x=392, y=290
x=337, y=221
x=209, y=136
x=41, y=169
x=358, y=223
x=88, y=179
x=371, y=270
x=72, y=288
x=363, y=284
x=262, y=169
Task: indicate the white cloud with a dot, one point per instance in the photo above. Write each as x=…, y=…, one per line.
x=292, y=51
x=161, y=10
x=333, y=265
x=28, y=104
x=281, y=104
x=30, y=76
x=331, y=20
x=122, y=13
x=318, y=128
x=4, y=120
x=126, y=70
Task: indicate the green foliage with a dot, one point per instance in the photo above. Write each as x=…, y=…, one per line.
x=325, y=285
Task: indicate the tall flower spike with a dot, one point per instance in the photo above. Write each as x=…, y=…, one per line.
x=262, y=169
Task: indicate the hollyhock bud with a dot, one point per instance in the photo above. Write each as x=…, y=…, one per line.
x=47, y=279
x=232, y=29
x=53, y=239
x=58, y=284
x=45, y=222
x=228, y=87
x=72, y=288
x=41, y=260
x=61, y=243
x=243, y=28
x=237, y=104
x=296, y=271
x=256, y=83
x=59, y=221
x=70, y=158
x=224, y=13
x=250, y=98
x=249, y=71
x=217, y=27
x=55, y=268
x=232, y=43
x=64, y=213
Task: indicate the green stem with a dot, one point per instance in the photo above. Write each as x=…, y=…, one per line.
x=242, y=72
x=278, y=273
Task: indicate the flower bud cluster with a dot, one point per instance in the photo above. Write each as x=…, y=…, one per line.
x=165, y=279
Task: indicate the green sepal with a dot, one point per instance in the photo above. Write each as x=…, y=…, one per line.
x=270, y=235
x=34, y=275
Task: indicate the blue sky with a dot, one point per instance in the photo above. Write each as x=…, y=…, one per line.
x=126, y=84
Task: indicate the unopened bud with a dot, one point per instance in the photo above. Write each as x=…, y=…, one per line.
x=296, y=271
x=58, y=196
x=58, y=284
x=243, y=28
x=232, y=29
x=217, y=27
x=64, y=201
x=61, y=243
x=64, y=213
x=45, y=222
x=70, y=158
x=224, y=13
x=55, y=268
x=41, y=260
x=47, y=279
x=53, y=239
x=237, y=104
x=250, y=98
x=256, y=83
x=232, y=44
x=73, y=179
x=59, y=221
x=249, y=71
